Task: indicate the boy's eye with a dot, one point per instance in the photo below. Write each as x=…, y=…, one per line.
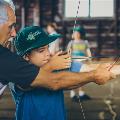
x=40, y=51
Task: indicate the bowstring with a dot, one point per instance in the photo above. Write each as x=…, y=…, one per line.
x=74, y=26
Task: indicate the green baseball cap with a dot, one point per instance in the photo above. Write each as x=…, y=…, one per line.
x=31, y=38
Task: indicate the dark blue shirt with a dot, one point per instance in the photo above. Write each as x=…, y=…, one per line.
x=40, y=103
x=15, y=69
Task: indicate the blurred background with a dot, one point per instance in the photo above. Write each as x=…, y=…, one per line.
x=101, y=21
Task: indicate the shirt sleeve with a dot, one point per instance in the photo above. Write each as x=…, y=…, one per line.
x=15, y=69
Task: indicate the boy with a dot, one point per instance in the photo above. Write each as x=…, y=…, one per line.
x=36, y=103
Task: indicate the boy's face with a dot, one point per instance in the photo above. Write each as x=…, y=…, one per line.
x=39, y=56
x=76, y=35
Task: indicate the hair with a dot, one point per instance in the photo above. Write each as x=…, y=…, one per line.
x=53, y=25
x=3, y=10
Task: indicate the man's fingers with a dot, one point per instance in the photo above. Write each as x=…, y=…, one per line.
x=67, y=56
x=68, y=61
x=69, y=51
x=113, y=76
x=58, y=53
x=104, y=65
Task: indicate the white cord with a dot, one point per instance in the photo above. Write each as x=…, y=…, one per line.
x=83, y=113
x=109, y=104
x=82, y=110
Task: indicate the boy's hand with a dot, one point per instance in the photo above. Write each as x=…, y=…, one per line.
x=102, y=74
x=60, y=61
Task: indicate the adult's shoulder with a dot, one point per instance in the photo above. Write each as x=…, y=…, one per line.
x=14, y=68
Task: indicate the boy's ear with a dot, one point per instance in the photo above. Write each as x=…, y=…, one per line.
x=26, y=57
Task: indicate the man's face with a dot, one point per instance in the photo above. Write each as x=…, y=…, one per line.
x=7, y=29
x=50, y=29
x=39, y=56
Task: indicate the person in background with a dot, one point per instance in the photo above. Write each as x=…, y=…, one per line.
x=54, y=46
x=79, y=48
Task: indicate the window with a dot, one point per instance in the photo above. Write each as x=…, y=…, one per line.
x=89, y=8
x=102, y=8
x=8, y=1
x=72, y=5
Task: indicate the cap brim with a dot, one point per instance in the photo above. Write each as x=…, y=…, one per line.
x=49, y=39
x=40, y=43
x=53, y=37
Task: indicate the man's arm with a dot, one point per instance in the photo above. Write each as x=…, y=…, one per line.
x=15, y=69
x=61, y=80
x=64, y=80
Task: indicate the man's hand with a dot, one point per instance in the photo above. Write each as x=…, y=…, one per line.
x=102, y=74
x=116, y=69
x=58, y=61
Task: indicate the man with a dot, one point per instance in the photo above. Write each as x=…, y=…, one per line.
x=15, y=69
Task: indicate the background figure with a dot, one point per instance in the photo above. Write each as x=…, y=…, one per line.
x=54, y=46
x=79, y=47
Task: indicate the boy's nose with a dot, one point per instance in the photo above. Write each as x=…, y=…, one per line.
x=48, y=54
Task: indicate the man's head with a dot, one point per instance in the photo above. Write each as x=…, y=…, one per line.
x=32, y=43
x=7, y=21
x=51, y=27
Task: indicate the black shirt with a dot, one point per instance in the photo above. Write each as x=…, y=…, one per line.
x=15, y=69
